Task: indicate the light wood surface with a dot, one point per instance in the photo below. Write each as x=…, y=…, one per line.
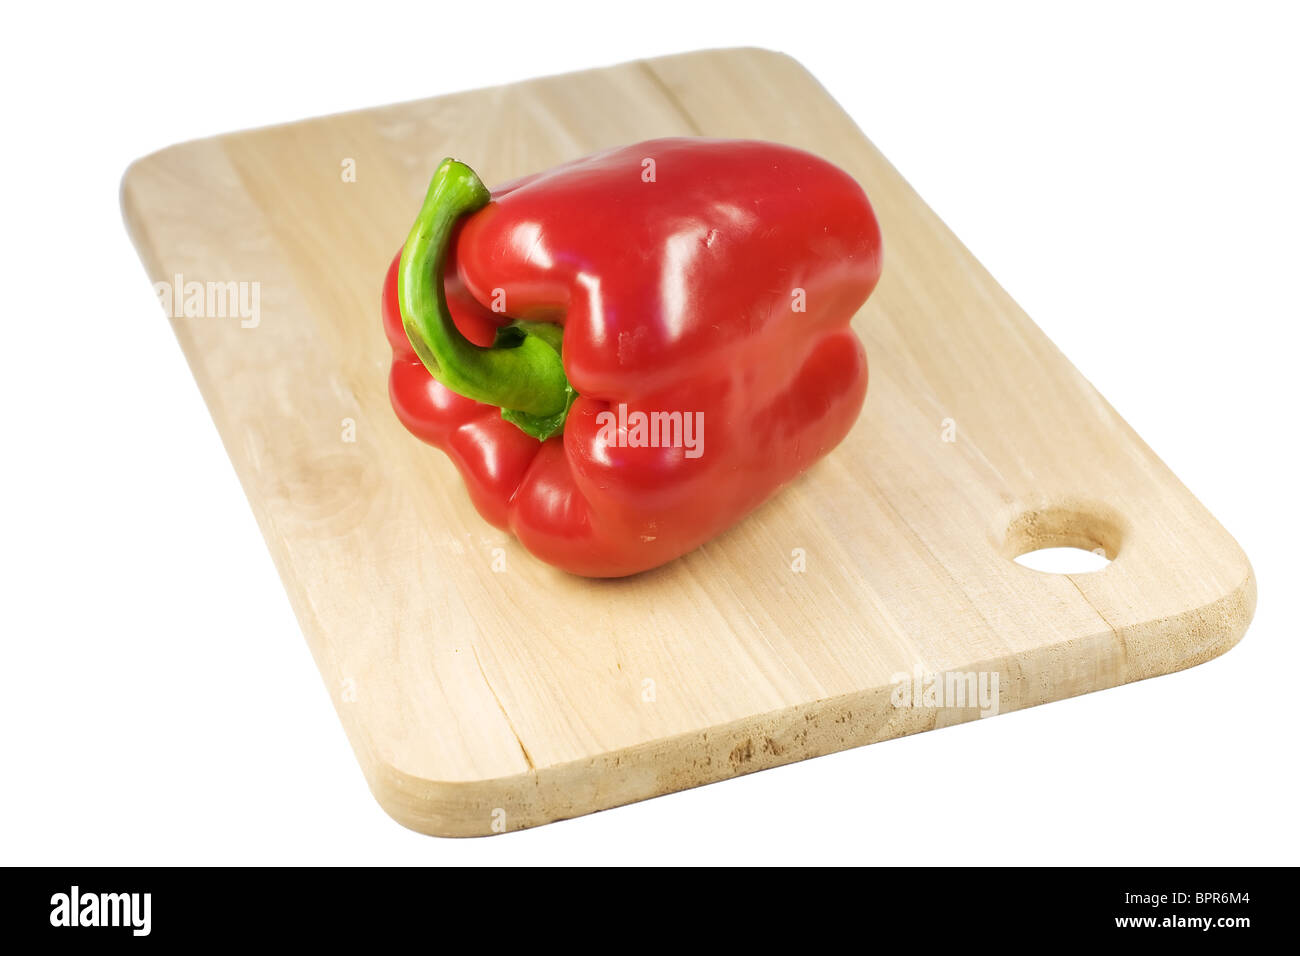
x=481, y=699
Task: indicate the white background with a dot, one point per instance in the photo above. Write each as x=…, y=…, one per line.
x=1128, y=172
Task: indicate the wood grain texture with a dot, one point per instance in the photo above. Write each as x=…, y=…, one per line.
x=477, y=699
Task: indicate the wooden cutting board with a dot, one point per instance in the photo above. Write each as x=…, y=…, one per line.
x=484, y=691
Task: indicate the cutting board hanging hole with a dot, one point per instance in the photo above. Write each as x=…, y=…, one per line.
x=1063, y=560
x=1077, y=537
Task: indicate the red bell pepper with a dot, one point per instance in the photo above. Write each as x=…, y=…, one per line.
x=626, y=354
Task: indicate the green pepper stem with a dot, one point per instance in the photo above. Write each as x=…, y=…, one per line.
x=523, y=373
